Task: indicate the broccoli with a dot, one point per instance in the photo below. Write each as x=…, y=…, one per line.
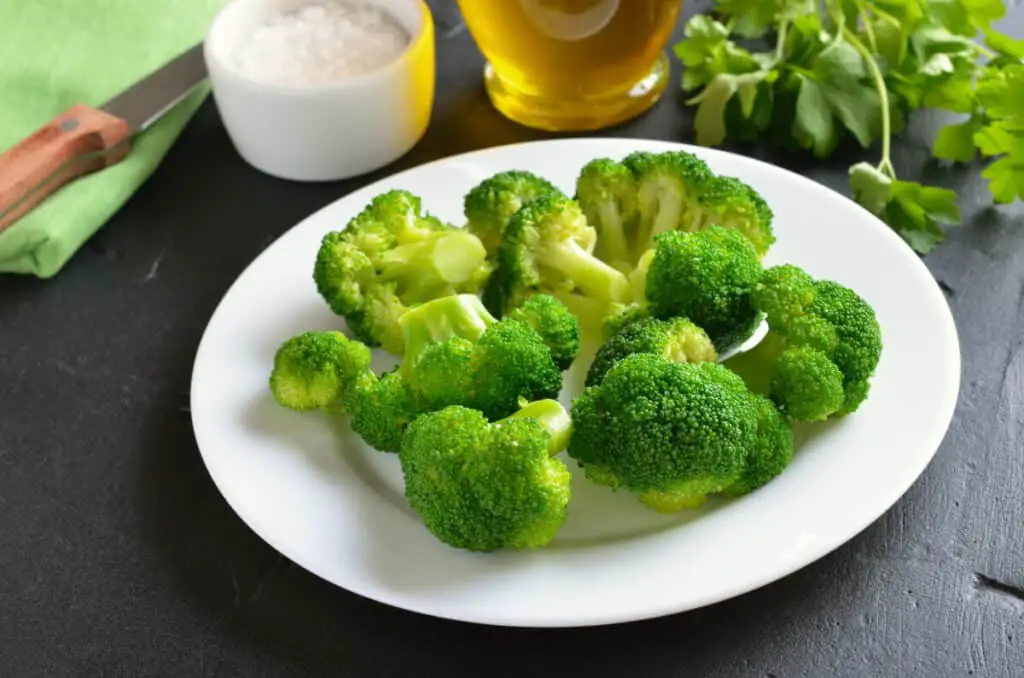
x=381, y=408
x=389, y=258
x=673, y=433
x=489, y=205
x=730, y=203
x=821, y=350
x=312, y=370
x=806, y=385
x=771, y=454
x=554, y=323
x=678, y=340
x=631, y=202
x=707, y=276
x=457, y=353
x=668, y=186
x=607, y=193
x=621, y=318
x=485, y=486
x=547, y=248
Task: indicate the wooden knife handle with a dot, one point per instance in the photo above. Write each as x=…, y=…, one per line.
x=78, y=141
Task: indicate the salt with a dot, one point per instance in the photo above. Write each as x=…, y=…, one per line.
x=321, y=42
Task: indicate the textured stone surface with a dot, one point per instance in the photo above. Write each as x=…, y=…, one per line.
x=119, y=558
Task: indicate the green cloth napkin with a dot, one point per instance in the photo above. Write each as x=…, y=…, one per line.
x=56, y=53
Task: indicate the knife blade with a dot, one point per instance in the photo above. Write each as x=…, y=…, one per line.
x=83, y=139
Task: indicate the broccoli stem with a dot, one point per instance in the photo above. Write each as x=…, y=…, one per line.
x=614, y=246
x=638, y=277
x=552, y=417
x=665, y=203
x=590, y=275
x=460, y=315
x=439, y=261
x=591, y=314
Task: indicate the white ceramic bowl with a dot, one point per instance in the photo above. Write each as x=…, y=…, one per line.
x=323, y=132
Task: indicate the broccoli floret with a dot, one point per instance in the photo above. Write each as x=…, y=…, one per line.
x=489, y=205
x=622, y=318
x=312, y=370
x=783, y=294
x=443, y=372
x=485, y=486
x=730, y=203
x=806, y=385
x=555, y=324
x=821, y=350
x=771, y=454
x=380, y=409
x=511, y=363
x=547, y=248
x=457, y=353
x=389, y=258
x=668, y=186
x=673, y=433
x=707, y=276
x=607, y=193
x=678, y=340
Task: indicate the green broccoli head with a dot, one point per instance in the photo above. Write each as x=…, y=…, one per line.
x=707, y=276
x=555, y=324
x=622, y=317
x=731, y=203
x=312, y=370
x=380, y=409
x=668, y=186
x=806, y=384
x=485, y=486
x=510, y=363
x=547, y=249
x=442, y=375
x=822, y=348
x=457, y=353
x=390, y=258
x=673, y=433
x=676, y=339
x=783, y=294
x=607, y=194
x=771, y=454
x=489, y=205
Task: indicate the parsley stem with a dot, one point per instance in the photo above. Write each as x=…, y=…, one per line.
x=885, y=165
x=885, y=16
x=869, y=32
x=780, y=43
x=838, y=17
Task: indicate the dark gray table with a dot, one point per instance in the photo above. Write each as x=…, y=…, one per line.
x=119, y=558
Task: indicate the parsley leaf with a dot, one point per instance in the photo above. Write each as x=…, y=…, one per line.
x=709, y=121
x=1000, y=92
x=956, y=142
x=812, y=73
x=754, y=18
x=916, y=212
x=814, y=126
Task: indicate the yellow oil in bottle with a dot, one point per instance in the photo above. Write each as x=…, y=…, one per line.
x=573, y=64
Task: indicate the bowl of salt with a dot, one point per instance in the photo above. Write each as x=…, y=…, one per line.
x=321, y=90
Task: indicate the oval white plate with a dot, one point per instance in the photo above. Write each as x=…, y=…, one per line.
x=318, y=495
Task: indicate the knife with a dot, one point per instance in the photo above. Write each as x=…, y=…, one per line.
x=83, y=139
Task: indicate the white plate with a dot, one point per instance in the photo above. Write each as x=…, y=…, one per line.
x=335, y=507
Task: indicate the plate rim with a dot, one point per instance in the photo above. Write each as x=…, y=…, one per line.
x=825, y=546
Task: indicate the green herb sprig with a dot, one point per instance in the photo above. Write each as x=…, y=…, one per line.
x=839, y=69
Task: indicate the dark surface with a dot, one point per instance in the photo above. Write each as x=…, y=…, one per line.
x=119, y=558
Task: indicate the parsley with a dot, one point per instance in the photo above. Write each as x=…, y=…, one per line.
x=812, y=75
